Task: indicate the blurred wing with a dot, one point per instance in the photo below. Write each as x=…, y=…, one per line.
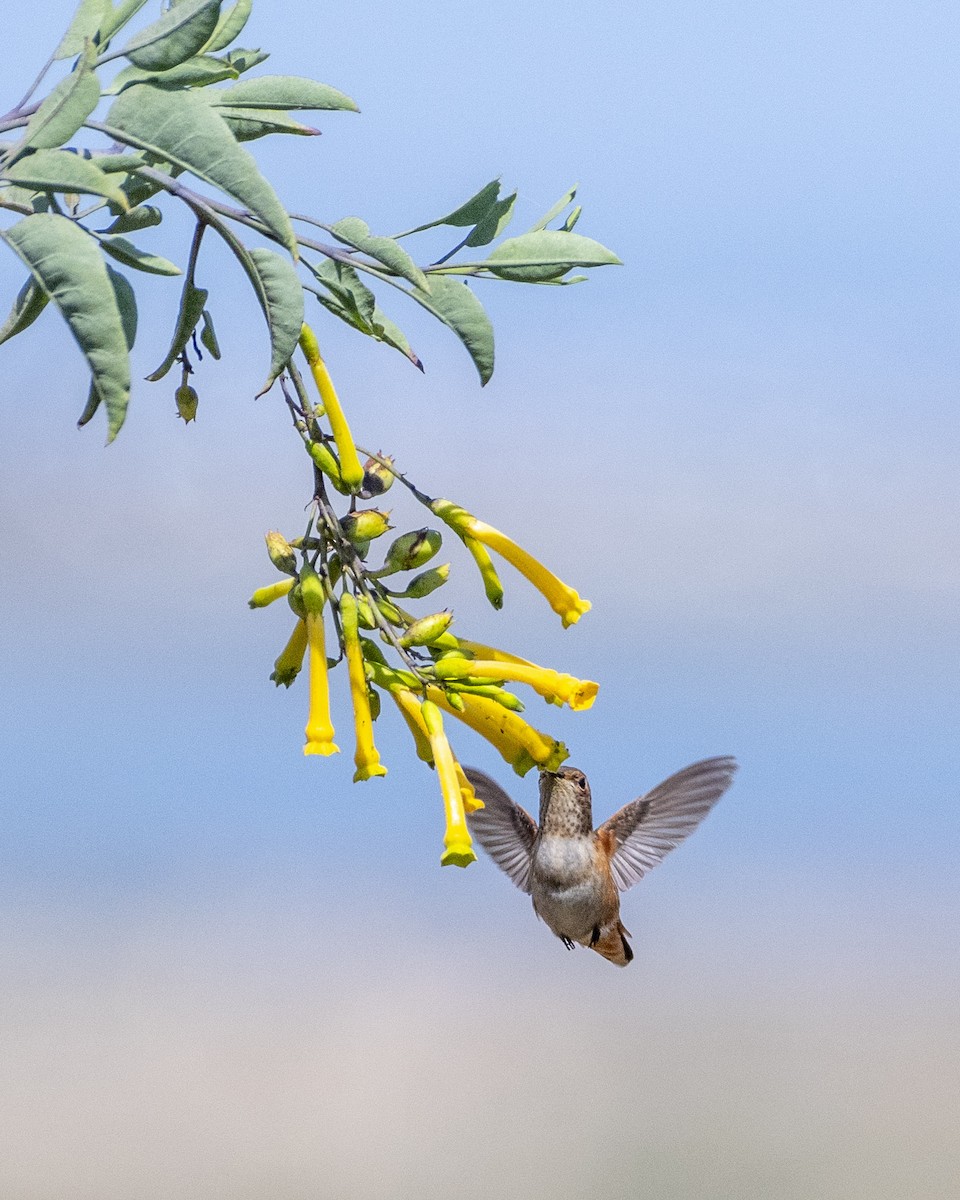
x=503, y=829
x=644, y=832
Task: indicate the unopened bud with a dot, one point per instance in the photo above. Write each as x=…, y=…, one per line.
x=281, y=553
x=365, y=617
x=364, y=525
x=412, y=550
x=373, y=698
x=426, y=630
x=311, y=590
x=377, y=478
x=187, y=401
x=427, y=582
x=325, y=460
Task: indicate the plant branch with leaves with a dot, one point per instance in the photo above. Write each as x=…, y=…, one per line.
x=91, y=164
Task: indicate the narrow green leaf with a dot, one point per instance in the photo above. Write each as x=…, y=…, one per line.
x=141, y=260
x=192, y=302
x=352, y=231
x=68, y=265
x=30, y=302
x=456, y=306
x=199, y=71
x=493, y=223
x=379, y=327
x=556, y=210
x=345, y=284
x=246, y=124
x=179, y=34
x=184, y=128
x=62, y=171
x=284, y=308
x=66, y=108
x=208, y=336
x=119, y=17
x=142, y=217
x=285, y=92
x=393, y=336
x=229, y=26
x=470, y=213
x=85, y=25
x=572, y=218
x=245, y=60
x=127, y=308
x=546, y=254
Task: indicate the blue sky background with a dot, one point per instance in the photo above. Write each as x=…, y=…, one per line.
x=234, y=974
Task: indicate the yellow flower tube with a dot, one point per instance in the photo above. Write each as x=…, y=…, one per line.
x=493, y=654
x=409, y=707
x=564, y=601
x=459, y=845
x=467, y=794
x=319, y=730
x=366, y=757
x=273, y=591
x=351, y=469
x=518, y=743
x=287, y=667
x=578, y=693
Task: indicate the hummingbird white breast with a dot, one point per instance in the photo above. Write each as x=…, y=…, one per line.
x=565, y=885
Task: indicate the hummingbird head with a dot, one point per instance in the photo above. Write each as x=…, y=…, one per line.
x=565, y=805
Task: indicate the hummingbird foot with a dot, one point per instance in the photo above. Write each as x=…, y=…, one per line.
x=567, y=942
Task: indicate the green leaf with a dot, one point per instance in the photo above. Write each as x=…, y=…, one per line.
x=354, y=295
x=393, y=336
x=208, y=336
x=141, y=260
x=546, y=254
x=62, y=171
x=66, y=108
x=142, y=217
x=475, y=209
x=84, y=27
x=497, y=218
x=179, y=34
x=352, y=231
x=283, y=296
x=456, y=306
x=556, y=210
x=229, y=26
x=199, y=71
x=285, y=92
x=68, y=265
x=245, y=60
x=246, y=124
x=119, y=17
x=184, y=128
x=127, y=307
x=572, y=218
x=30, y=302
x=192, y=302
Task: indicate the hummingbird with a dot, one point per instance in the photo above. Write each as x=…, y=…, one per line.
x=573, y=872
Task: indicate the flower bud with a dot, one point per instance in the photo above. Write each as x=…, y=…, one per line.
x=287, y=667
x=412, y=550
x=428, y=581
x=266, y=595
x=373, y=699
x=365, y=617
x=427, y=629
x=364, y=525
x=377, y=478
x=295, y=600
x=187, y=401
x=311, y=590
x=281, y=553
x=325, y=460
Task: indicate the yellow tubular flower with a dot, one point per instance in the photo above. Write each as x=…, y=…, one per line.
x=468, y=795
x=459, y=845
x=351, y=469
x=287, y=667
x=409, y=707
x=562, y=599
x=366, y=757
x=492, y=587
x=266, y=595
x=519, y=744
x=319, y=729
x=492, y=654
x=578, y=693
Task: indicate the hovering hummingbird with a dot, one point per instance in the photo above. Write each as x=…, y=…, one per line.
x=574, y=872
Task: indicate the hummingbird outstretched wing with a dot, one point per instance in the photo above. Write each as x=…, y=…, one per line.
x=644, y=832
x=504, y=829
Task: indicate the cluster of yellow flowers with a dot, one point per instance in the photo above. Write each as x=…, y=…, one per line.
x=327, y=571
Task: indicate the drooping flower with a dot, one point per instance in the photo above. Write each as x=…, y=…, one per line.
x=288, y=664
x=459, y=850
x=578, y=693
x=351, y=469
x=366, y=757
x=519, y=744
x=319, y=730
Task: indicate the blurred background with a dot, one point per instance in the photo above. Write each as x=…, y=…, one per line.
x=228, y=971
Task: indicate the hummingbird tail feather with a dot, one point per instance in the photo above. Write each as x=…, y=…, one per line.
x=613, y=945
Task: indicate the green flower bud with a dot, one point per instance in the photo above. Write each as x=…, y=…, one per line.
x=427, y=630
x=377, y=478
x=373, y=697
x=456, y=701
x=365, y=618
x=364, y=525
x=187, y=401
x=412, y=550
x=372, y=652
x=281, y=553
x=295, y=600
x=334, y=569
x=325, y=460
x=428, y=581
x=311, y=590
